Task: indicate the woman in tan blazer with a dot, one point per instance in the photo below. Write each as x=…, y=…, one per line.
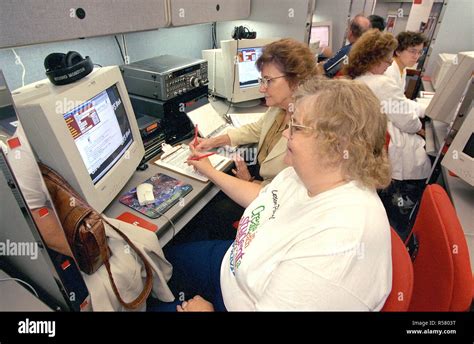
x=284, y=65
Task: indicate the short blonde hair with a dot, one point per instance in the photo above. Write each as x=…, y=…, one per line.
x=350, y=128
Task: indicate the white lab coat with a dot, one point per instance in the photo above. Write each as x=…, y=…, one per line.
x=400, y=80
x=406, y=149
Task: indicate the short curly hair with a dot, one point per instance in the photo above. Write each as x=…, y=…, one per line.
x=409, y=39
x=368, y=51
x=350, y=128
x=293, y=58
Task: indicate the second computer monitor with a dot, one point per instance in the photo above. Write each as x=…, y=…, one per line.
x=451, y=88
x=322, y=32
x=460, y=156
x=232, y=71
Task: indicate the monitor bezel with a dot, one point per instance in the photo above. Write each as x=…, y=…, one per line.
x=448, y=95
x=324, y=24
x=455, y=159
x=43, y=101
x=234, y=92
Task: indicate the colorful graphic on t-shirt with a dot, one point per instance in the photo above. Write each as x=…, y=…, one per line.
x=246, y=233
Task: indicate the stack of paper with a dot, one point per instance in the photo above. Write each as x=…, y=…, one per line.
x=209, y=122
x=241, y=119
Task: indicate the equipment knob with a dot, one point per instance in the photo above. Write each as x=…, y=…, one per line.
x=196, y=82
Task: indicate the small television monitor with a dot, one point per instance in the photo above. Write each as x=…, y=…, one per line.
x=322, y=32
x=86, y=131
x=448, y=95
x=232, y=72
x=460, y=156
x=442, y=64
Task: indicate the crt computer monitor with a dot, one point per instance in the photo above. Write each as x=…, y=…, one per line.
x=232, y=72
x=86, y=131
x=460, y=156
x=441, y=66
x=322, y=32
x=451, y=88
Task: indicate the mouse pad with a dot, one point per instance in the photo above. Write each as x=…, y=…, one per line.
x=167, y=191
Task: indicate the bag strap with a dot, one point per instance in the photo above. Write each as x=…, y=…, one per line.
x=149, y=274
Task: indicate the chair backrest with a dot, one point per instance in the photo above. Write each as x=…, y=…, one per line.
x=402, y=277
x=443, y=277
x=462, y=287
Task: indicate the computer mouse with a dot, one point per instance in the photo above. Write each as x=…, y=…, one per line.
x=145, y=194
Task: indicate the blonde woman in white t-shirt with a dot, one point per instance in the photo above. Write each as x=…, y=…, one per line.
x=317, y=237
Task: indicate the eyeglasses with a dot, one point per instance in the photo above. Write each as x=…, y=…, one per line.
x=265, y=82
x=296, y=127
x=415, y=52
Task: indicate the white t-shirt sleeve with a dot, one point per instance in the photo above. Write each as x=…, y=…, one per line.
x=26, y=171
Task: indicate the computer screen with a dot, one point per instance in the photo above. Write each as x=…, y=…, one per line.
x=86, y=131
x=101, y=131
x=322, y=32
x=450, y=91
x=460, y=156
x=232, y=72
x=248, y=72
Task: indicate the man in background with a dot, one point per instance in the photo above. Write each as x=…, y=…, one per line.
x=377, y=22
x=358, y=25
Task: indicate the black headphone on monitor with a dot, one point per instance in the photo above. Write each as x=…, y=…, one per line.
x=63, y=69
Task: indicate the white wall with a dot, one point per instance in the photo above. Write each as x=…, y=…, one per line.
x=271, y=18
x=456, y=32
x=187, y=41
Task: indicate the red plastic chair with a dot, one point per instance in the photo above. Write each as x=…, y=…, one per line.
x=442, y=270
x=402, y=277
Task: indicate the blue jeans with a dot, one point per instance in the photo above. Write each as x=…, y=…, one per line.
x=196, y=271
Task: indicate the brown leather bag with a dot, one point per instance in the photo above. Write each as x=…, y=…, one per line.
x=85, y=233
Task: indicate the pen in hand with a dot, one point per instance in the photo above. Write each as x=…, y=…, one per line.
x=197, y=158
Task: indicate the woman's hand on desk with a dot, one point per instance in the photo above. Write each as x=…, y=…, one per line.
x=196, y=304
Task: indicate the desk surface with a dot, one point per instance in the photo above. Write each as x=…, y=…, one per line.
x=181, y=213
